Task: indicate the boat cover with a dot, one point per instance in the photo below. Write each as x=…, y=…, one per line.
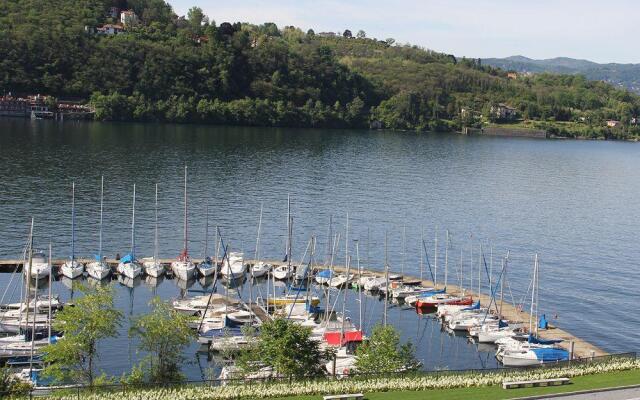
x=333, y=338
x=551, y=354
x=475, y=306
x=127, y=259
x=324, y=273
x=535, y=340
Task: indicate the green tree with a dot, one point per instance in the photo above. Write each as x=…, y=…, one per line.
x=287, y=348
x=383, y=353
x=92, y=318
x=361, y=34
x=164, y=333
x=196, y=18
x=347, y=33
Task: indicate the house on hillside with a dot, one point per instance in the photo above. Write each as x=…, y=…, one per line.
x=327, y=34
x=512, y=75
x=503, y=112
x=128, y=18
x=113, y=12
x=110, y=29
x=612, y=123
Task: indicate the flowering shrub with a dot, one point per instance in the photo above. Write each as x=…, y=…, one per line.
x=361, y=385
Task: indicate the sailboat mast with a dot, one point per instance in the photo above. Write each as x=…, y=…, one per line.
x=346, y=245
x=359, y=284
x=73, y=222
x=502, y=278
x=185, y=210
x=206, y=232
x=421, y=253
x=404, y=249
x=537, y=293
x=344, y=302
x=289, y=230
x=28, y=277
x=101, y=209
x=446, y=260
x=435, y=261
x=133, y=224
x=533, y=294
x=479, y=274
x=33, y=325
x=49, y=314
x=386, y=278
x=155, y=242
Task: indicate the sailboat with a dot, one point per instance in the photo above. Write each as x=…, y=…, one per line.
x=534, y=351
x=183, y=267
x=99, y=269
x=233, y=266
x=72, y=268
x=40, y=268
x=152, y=266
x=129, y=266
x=206, y=267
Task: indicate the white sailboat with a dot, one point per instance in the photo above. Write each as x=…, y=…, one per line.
x=233, y=266
x=183, y=267
x=260, y=268
x=152, y=266
x=72, y=268
x=535, y=351
x=129, y=265
x=206, y=267
x=40, y=267
x=99, y=269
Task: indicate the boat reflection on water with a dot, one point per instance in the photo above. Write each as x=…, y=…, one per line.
x=93, y=282
x=129, y=282
x=152, y=281
x=206, y=282
x=184, y=285
x=232, y=283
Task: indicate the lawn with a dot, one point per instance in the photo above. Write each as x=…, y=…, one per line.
x=604, y=380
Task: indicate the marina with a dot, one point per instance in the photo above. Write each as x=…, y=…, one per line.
x=100, y=222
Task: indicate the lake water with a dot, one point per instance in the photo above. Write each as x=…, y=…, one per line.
x=575, y=203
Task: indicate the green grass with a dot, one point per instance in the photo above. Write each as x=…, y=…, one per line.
x=605, y=380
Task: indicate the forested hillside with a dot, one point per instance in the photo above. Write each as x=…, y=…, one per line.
x=193, y=69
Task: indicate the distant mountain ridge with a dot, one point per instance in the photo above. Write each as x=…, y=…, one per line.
x=623, y=75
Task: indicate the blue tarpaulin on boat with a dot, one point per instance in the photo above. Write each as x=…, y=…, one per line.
x=324, y=274
x=535, y=340
x=475, y=306
x=431, y=293
x=97, y=257
x=222, y=332
x=502, y=324
x=126, y=259
x=551, y=354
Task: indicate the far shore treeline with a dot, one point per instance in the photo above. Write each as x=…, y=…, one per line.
x=191, y=69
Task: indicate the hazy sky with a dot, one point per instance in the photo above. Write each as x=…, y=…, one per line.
x=602, y=31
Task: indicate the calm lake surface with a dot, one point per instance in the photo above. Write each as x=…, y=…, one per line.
x=575, y=203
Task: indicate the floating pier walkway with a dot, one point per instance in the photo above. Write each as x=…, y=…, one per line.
x=579, y=348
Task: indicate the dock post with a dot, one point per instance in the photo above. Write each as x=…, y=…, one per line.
x=593, y=354
x=571, y=350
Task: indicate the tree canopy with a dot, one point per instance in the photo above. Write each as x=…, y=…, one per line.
x=190, y=69
x=383, y=353
x=93, y=317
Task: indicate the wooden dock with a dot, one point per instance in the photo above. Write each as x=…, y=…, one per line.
x=581, y=348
